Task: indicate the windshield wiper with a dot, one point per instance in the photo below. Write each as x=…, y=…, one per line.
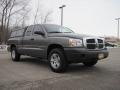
x=67, y=32
x=55, y=32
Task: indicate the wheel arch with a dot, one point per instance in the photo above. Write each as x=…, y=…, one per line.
x=11, y=46
x=53, y=46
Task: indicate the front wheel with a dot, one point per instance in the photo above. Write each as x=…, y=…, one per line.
x=57, y=60
x=15, y=55
x=90, y=63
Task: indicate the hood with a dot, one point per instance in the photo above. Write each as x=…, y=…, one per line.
x=69, y=35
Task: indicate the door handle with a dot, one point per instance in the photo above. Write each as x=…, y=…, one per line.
x=32, y=39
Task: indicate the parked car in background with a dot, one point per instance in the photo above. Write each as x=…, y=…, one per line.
x=108, y=44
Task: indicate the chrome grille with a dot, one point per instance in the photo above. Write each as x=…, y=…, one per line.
x=100, y=41
x=101, y=46
x=91, y=46
x=90, y=40
x=94, y=43
x=90, y=43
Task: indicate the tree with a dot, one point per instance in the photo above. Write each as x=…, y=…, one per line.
x=15, y=13
x=8, y=9
x=42, y=16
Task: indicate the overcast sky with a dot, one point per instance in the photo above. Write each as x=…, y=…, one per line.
x=94, y=17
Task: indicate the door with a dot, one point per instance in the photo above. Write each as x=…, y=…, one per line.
x=39, y=42
x=27, y=41
x=34, y=44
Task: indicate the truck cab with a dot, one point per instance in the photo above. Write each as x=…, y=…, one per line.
x=58, y=45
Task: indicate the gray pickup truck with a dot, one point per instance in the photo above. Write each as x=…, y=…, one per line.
x=58, y=45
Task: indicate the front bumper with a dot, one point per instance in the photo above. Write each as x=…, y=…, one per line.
x=84, y=55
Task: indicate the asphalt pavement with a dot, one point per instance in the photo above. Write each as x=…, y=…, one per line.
x=33, y=74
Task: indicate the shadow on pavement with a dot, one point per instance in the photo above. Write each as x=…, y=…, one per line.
x=32, y=60
x=71, y=68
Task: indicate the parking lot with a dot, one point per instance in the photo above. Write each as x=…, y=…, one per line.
x=33, y=74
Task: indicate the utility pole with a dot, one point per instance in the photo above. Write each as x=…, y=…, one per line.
x=118, y=28
x=61, y=7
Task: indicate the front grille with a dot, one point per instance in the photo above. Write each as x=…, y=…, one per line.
x=100, y=41
x=91, y=46
x=90, y=40
x=100, y=46
x=93, y=43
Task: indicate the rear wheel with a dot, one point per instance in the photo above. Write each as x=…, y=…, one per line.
x=15, y=55
x=90, y=63
x=57, y=60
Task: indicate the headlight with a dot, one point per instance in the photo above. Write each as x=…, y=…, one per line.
x=75, y=43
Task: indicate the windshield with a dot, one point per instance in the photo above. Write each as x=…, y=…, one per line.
x=57, y=29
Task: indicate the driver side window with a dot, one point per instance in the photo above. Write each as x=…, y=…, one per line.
x=37, y=28
x=29, y=31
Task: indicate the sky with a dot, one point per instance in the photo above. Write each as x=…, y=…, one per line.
x=92, y=17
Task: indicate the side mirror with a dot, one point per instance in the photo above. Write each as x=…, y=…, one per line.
x=39, y=33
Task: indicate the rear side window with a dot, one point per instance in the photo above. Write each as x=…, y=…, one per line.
x=37, y=28
x=17, y=33
x=13, y=34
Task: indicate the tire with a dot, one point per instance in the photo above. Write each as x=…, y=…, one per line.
x=90, y=63
x=15, y=55
x=57, y=61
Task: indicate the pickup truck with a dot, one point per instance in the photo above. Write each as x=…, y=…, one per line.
x=59, y=45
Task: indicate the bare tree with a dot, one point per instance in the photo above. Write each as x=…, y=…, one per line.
x=8, y=9
x=47, y=17
x=15, y=12
x=42, y=17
